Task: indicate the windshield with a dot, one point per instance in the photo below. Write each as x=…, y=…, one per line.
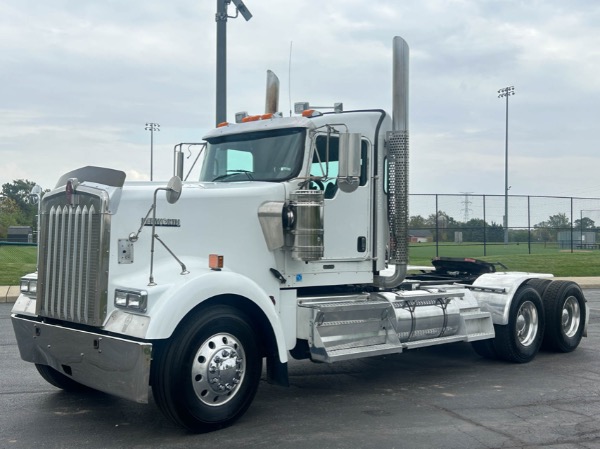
x=261, y=156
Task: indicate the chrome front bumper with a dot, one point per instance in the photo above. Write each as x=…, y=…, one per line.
x=114, y=365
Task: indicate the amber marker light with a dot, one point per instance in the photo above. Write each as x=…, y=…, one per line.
x=309, y=113
x=215, y=261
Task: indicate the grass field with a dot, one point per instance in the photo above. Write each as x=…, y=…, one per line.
x=544, y=258
x=16, y=261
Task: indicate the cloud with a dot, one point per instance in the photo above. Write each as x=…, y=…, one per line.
x=82, y=78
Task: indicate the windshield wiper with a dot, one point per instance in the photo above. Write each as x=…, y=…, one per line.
x=232, y=173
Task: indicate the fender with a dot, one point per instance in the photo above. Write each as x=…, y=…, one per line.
x=495, y=292
x=175, y=304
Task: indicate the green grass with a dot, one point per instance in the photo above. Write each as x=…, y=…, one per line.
x=544, y=259
x=423, y=251
x=16, y=261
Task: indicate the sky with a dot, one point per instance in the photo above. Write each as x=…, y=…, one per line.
x=80, y=78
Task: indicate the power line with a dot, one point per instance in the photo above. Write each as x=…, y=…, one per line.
x=466, y=203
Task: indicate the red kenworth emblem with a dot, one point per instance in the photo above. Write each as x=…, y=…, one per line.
x=70, y=190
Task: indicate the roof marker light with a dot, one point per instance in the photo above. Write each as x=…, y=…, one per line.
x=311, y=113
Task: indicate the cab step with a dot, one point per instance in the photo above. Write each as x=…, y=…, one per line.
x=350, y=327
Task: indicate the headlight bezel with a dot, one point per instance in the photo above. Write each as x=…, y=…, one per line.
x=131, y=299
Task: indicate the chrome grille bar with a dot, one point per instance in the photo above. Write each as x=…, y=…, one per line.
x=87, y=243
x=75, y=312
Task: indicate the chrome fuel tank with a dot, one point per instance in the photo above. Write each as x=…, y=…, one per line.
x=425, y=314
x=422, y=319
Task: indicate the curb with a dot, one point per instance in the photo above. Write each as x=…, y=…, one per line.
x=9, y=293
x=584, y=282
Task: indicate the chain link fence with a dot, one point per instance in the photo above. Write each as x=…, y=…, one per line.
x=465, y=225
x=469, y=225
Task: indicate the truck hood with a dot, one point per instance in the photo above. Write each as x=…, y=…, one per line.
x=209, y=218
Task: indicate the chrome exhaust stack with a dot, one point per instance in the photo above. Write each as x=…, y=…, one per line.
x=397, y=149
x=272, y=97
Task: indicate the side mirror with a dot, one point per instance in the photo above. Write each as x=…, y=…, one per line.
x=173, y=189
x=349, y=162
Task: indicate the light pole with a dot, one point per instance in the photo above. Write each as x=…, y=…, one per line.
x=506, y=92
x=221, y=19
x=152, y=127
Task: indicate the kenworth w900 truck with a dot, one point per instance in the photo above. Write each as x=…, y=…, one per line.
x=292, y=243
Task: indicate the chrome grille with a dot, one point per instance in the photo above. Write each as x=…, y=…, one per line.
x=73, y=259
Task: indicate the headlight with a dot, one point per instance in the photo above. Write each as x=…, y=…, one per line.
x=29, y=286
x=120, y=298
x=136, y=300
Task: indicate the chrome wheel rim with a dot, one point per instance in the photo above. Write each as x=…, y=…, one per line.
x=218, y=369
x=527, y=323
x=570, y=317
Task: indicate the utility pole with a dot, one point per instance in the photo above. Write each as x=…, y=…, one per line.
x=221, y=19
x=506, y=92
x=152, y=127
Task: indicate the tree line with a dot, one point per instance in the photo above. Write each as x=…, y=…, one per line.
x=17, y=206
x=443, y=228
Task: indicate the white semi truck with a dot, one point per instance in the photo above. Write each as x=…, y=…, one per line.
x=292, y=243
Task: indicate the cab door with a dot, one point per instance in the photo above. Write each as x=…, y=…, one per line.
x=347, y=216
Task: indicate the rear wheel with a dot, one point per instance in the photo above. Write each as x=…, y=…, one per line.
x=564, y=304
x=206, y=377
x=520, y=340
x=540, y=285
x=60, y=380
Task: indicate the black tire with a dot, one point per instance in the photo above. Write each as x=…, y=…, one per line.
x=485, y=348
x=520, y=340
x=207, y=375
x=60, y=380
x=540, y=285
x=564, y=304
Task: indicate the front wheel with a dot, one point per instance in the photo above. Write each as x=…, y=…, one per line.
x=60, y=380
x=206, y=377
x=520, y=340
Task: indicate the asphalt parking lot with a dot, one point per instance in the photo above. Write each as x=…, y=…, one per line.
x=441, y=397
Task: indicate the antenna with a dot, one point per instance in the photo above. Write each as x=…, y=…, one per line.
x=290, y=79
